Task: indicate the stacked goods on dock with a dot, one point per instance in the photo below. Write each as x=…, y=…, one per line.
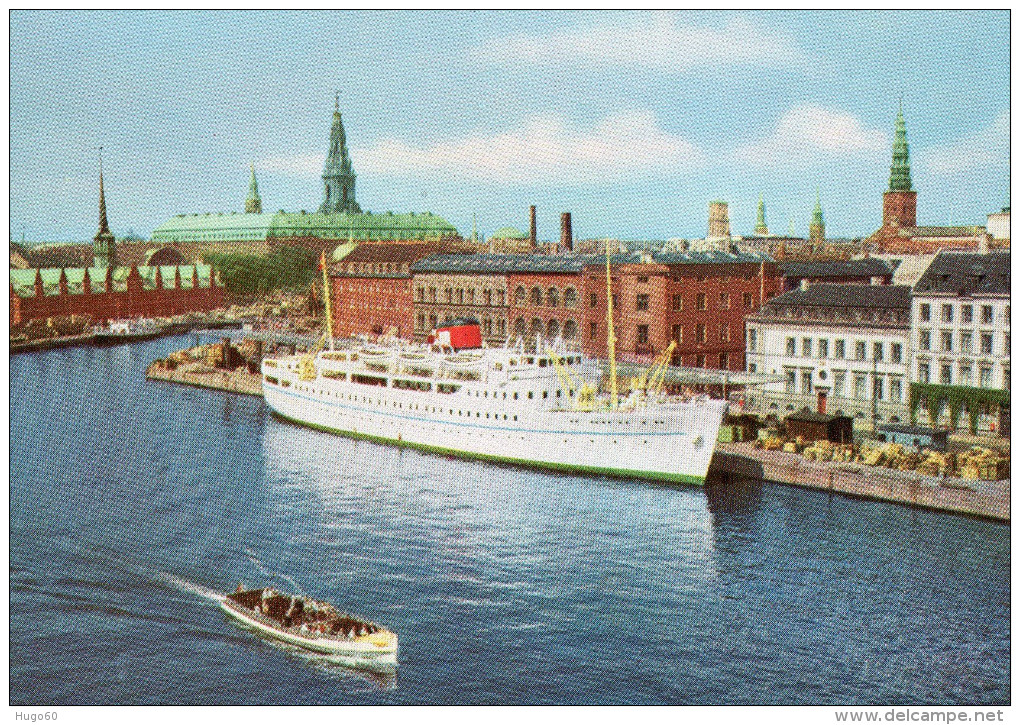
x=977, y=463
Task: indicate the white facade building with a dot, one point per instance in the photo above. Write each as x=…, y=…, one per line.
x=841, y=347
x=960, y=335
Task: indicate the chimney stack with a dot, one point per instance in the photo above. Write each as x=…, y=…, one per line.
x=566, y=233
x=533, y=233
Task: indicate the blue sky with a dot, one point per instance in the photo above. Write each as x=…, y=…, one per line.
x=632, y=121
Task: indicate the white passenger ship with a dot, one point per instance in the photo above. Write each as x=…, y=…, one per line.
x=535, y=407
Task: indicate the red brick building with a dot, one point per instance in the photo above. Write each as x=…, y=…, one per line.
x=546, y=303
x=108, y=293
x=370, y=289
x=700, y=300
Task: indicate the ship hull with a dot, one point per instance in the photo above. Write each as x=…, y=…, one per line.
x=609, y=444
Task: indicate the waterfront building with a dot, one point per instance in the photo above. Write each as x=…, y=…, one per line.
x=961, y=337
x=370, y=289
x=105, y=290
x=697, y=299
x=834, y=271
x=837, y=348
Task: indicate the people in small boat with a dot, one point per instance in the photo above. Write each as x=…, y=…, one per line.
x=240, y=587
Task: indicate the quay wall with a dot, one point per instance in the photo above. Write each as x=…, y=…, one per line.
x=987, y=499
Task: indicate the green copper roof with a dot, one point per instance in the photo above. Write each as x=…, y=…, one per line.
x=23, y=280
x=760, y=227
x=816, y=214
x=259, y=227
x=899, y=172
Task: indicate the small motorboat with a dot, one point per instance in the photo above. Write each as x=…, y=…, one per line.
x=311, y=625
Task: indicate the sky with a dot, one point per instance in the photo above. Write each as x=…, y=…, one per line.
x=631, y=121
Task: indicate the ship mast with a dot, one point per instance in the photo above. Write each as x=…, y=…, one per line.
x=611, y=339
x=327, y=302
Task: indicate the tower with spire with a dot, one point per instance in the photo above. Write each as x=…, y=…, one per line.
x=253, y=202
x=816, y=229
x=760, y=227
x=899, y=203
x=338, y=174
x=104, y=251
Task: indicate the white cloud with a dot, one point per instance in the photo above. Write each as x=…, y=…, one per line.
x=988, y=147
x=544, y=150
x=658, y=41
x=810, y=133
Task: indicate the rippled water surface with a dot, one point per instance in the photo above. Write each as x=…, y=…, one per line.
x=131, y=502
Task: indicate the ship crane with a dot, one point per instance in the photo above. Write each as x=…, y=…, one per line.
x=306, y=365
x=650, y=383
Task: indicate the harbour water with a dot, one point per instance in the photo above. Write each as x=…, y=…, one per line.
x=133, y=501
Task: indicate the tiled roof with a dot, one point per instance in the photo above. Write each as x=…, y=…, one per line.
x=960, y=273
x=969, y=231
x=504, y=263
x=845, y=295
x=869, y=267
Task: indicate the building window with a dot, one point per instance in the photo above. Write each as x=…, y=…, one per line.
x=616, y=301
x=986, y=343
x=748, y=299
x=791, y=347
x=642, y=302
x=878, y=351
x=536, y=296
x=570, y=298
x=1005, y=343
x=967, y=342
x=947, y=341
x=642, y=334
x=823, y=349
x=678, y=302
x=791, y=381
x=699, y=361
x=702, y=301
x=724, y=300
x=487, y=296
x=805, y=349
x=593, y=300
x=985, y=377
x=702, y=333
x=947, y=312
x=419, y=294
x=724, y=332
x=861, y=387
x=520, y=296
x=460, y=296
x=552, y=297
x=752, y=340
x=896, y=390
x=897, y=352
x=946, y=374
x=1005, y=378
x=860, y=351
x=838, y=383
x=432, y=295
x=986, y=314
x=878, y=388
x=678, y=333
x=521, y=327
x=925, y=313
x=922, y=373
x=924, y=339
x=966, y=313
x=569, y=330
x=966, y=374
x=805, y=382
x=593, y=330
x=724, y=361
x=752, y=368
x=840, y=351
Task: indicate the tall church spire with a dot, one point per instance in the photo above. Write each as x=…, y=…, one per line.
x=760, y=227
x=253, y=203
x=899, y=172
x=103, y=244
x=816, y=229
x=338, y=175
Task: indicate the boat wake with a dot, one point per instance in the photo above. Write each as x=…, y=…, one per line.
x=189, y=586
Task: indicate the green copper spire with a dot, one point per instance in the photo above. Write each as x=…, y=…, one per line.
x=899, y=172
x=253, y=204
x=816, y=229
x=103, y=244
x=760, y=227
x=338, y=175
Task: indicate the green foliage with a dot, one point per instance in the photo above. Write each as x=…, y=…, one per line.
x=288, y=268
x=955, y=396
